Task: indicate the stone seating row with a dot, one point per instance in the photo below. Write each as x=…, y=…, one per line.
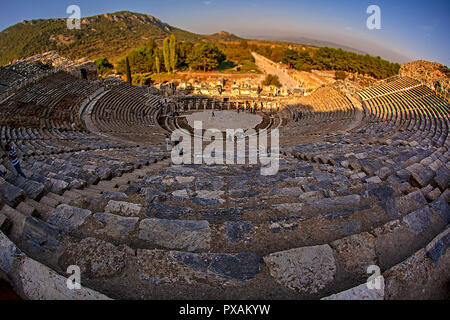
x=365, y=222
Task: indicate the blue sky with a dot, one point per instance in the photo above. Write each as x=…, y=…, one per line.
x=411, y=29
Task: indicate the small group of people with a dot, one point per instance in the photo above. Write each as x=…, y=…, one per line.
x=12, y=154
x=252, y=110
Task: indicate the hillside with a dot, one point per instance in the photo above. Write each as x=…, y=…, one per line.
x=433, y=74
x=110, y=35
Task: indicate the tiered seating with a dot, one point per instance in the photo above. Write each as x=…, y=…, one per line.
x=53, y=100
x=369, y=188
x=396, y=84
x=14, y=75
x=415, y=110
x=326, y=110
x=185, y=227
x=126, y=110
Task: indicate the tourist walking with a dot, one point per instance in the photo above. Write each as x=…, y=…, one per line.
x=14, y=159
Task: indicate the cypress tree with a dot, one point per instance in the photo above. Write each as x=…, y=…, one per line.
x=173, y=52
x=166, y=53
x=129, y=79
x=157, y=64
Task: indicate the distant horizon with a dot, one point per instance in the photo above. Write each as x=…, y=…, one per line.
x=428, y=43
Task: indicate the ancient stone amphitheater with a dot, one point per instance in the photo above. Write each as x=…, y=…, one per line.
x=363, y=181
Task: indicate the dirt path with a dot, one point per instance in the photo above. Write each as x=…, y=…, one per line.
x=269, y=67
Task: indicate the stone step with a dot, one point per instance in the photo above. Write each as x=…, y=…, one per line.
x=106, y=185
x=70, y=194
x=56, y=197
x=27, y=209
x=428, y=266
x=97, y=188
x=49, y=202
x=5, y=224
x=11, y=194
x=89, y=193
x=122, y=180
x=42, y=209
x=17, y=220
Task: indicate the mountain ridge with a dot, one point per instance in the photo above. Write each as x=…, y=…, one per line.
x=110, y=35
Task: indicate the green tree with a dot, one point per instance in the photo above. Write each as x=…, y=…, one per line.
x=129, y=78
x=103, y=65
x=166, y=53
x=173, y=52
x=340, y=75
x=157, y=64
x=272, y=80
x=290, y=57
x=205, y=56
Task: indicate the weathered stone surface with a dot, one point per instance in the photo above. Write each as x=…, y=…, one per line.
x=68, y=218
x=38, y=282
x=375, y=179
x=361, y=292
x=164, y=211
x=330, y=203
x=433, y=195
x=438, y=247
x=58, y=186
x=131, y=190
x=286, y=192
x=176, y=234
x=418, y=197
x=184, y=180
x=123, y=208
x=5, y=224
x=114, y=195
x=421, y=174
x=311, y=196
x=403, y=175
x=96, y=258
x=240, y=267
x=32, y=188
x=442, y=177
x=103, y=173
x=41, y=235
x=384, y=173
x=235, y=231
x=289, y=208
x=115, y=226
x=393, y=243
x=307, y=270
x=214, y=196
x=419, y=220
x=10, y=193
x=161, y=266
x=355, y=253
x=226, y=214
x=278, y=225
x=9, y=253
x=442, y=208
x=417, y=277
x=405, y=188
x=348, y=227
x=382, y=193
